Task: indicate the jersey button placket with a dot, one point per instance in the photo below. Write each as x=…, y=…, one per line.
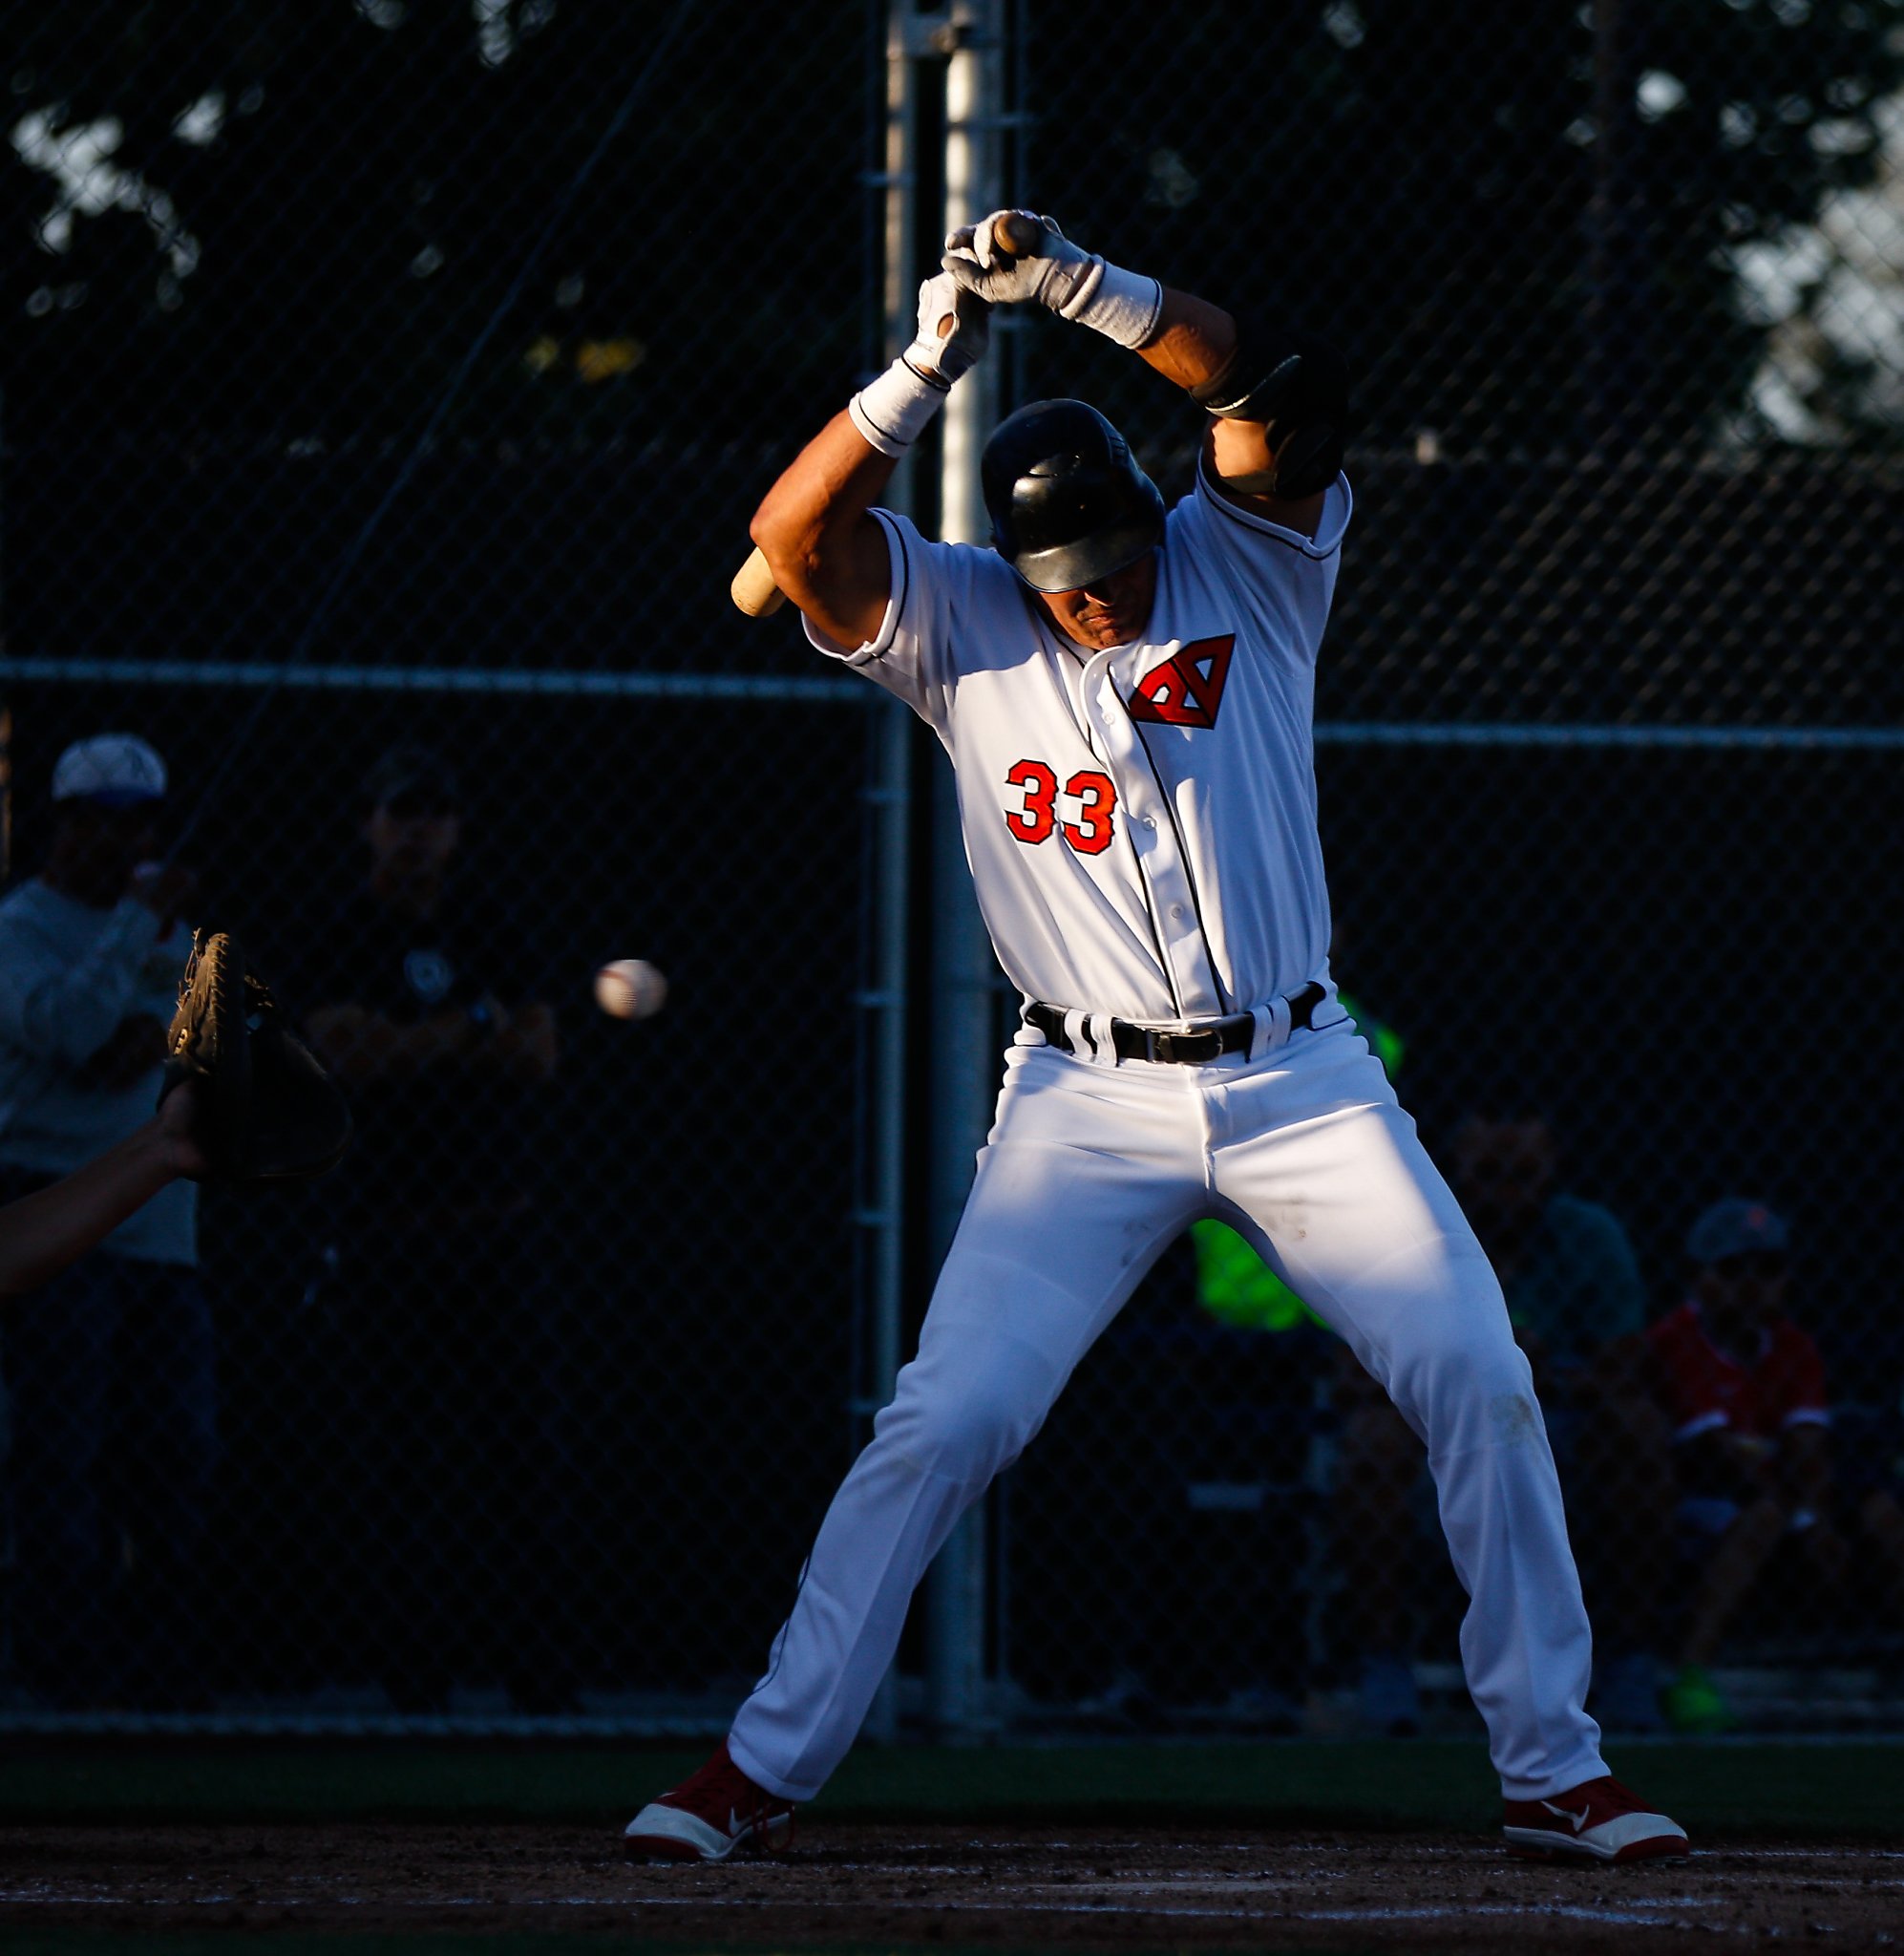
x=1156, y=845
x=1178, y=924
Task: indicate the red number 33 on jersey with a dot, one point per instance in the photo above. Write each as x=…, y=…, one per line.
x=1088, y=795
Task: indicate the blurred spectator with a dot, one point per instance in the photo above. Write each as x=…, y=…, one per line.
x=440, y=1256
x=111, y=1364
x=1579, y=1309
x=1744, y=1388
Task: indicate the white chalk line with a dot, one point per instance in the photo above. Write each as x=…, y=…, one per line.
x=785, y=1869
x=1426, y=1850
x=1660, y=1914
x=1571, y=1911
x=1798, y=1854
x=1650, y=1912
x=1244, y=1888
x=1002, y=1906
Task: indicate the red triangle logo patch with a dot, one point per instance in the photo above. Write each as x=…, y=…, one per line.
x=1187, y=689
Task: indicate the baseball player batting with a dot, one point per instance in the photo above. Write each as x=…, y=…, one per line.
x=1126, y=694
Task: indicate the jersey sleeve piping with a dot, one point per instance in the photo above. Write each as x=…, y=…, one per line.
x=881, y=642
x=1324, y=545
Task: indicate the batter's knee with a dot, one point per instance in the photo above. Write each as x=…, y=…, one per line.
x=1457, y=1374
x=971, y=1427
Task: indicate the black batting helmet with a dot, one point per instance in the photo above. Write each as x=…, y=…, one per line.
x=1068, y=504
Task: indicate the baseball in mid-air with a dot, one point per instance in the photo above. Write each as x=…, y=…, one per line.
x=631, y=989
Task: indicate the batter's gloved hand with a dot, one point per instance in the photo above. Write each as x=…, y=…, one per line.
x=892, y=411
x=1063, y=277
x=954, y=329
x=982, y=258
x=268, y=1109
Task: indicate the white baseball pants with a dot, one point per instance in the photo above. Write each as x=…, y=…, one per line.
x=1091, y=1169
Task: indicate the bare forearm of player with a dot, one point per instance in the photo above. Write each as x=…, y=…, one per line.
x=1720, y=1457
x=43, y=1232
x=825, y=550
x=364, y=1048
x=526, y=1054
x=1193, y=341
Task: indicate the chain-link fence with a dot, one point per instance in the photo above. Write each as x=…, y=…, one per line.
x=400, y=377
x=541, y=1391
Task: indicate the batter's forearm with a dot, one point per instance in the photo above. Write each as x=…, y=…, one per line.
x=1193, y=343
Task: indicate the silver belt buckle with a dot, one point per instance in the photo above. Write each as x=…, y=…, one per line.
x=1186, y=1049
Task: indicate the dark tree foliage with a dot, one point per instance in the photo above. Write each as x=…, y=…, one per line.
x=374, y=189
x=1518, y=219
x=1523, y=248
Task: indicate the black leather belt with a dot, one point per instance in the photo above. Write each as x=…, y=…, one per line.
x=1193, y=1048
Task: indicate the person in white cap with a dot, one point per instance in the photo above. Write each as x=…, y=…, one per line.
x=120, y=1344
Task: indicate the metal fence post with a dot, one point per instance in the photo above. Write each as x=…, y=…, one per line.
x=963, y=969
x=889, y=793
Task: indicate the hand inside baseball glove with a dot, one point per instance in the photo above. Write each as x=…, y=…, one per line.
x=268, y=1109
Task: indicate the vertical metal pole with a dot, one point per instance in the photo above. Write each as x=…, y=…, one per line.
x=972, y=75
x=963, y=1044
x=890, y=790
x=901, y=183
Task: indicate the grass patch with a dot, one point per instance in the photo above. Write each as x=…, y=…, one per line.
x=1733, y=1789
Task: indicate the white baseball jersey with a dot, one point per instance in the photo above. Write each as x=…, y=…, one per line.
x=1140, y=822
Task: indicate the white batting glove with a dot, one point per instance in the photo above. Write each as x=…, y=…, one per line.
x=893, y=411
x=954, y=329
x=1059, y=275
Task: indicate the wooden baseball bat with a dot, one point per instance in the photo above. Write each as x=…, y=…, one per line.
x=753, y=589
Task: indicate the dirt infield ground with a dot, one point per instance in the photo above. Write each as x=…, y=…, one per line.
x=937, y=1885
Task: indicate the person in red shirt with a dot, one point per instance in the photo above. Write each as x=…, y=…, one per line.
x=1744, y=1388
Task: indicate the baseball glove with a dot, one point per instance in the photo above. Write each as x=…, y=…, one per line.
x=269, y=1109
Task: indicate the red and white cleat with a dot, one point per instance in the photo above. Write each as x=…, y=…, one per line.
x=710, y=1817
x=1600, y=1819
